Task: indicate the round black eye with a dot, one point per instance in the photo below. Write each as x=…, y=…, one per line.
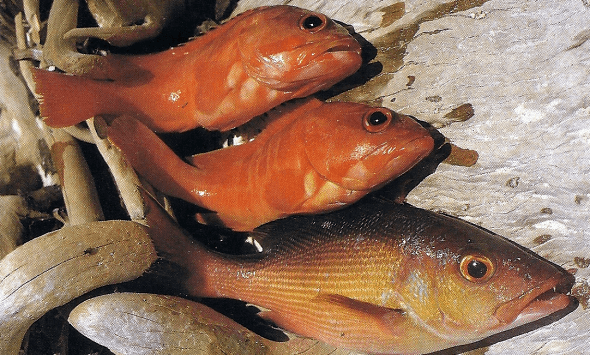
x=313, y=23
x=476, y=268
x=377, y=120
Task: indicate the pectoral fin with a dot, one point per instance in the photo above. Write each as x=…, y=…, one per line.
x=364, y=314
x=343, y=321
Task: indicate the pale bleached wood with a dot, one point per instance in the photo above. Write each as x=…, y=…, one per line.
x=53, y=269
x=524, y=67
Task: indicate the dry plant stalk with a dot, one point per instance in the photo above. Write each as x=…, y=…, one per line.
x=125, y=178
x=53, y=269
x=21, y=44
x=79, y=192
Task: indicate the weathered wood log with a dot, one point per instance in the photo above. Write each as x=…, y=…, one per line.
x=53, y=269
x=522, y=66
x=134, y=323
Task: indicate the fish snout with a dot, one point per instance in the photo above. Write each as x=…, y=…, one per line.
x=551, y=296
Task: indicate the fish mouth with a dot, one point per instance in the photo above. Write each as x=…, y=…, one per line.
x=410, y=151
x=344, y=45
x=333, y=62
x=410, y=154
x=341, y=50
x=550, y=297
x=327, y=64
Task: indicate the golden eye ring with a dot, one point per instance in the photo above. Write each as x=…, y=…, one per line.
x=476, y=268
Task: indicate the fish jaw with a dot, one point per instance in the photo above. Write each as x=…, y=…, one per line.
x=539, y=302
x=356, y=160
x=529, y=307
x=308, y=67
x=322, y=68
x=359, y=177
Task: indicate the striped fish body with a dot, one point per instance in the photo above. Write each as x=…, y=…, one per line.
x=385, y=278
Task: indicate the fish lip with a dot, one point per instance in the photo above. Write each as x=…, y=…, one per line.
x=338, y=45
x=405, y=146
x=346, y=44
x=343, y=47
x=539, y=302
x=361, y=184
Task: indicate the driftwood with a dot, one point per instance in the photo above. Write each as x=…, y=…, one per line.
x=52, y=270
x=508, y=80
x=522, y=68
x=135, y=324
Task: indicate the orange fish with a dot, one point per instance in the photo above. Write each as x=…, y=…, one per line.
x=313, y=157
x=380, y=277
x=218, y=81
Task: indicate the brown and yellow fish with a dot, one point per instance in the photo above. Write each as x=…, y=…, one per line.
x=218, y=81
x=384, y=278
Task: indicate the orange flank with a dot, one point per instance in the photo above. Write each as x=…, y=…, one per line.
x=313, y=157
x=218, y=81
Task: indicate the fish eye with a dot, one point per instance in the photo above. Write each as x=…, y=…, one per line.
x=313, y=22
x=476, y=268
x=377, y=120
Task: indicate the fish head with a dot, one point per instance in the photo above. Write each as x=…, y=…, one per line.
x=359, y=147
x=295, y=50
x=470, y=284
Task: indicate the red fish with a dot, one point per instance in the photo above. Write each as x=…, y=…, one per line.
x=381, y=278
x=313, y=157
x=218, y=81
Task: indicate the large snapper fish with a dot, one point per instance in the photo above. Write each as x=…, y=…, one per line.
x=382, y=278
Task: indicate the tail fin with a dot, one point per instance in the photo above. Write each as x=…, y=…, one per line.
x=189, y=260
x=65, y=99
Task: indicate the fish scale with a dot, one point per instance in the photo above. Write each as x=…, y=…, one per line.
x=385, y=278
x=268, y=49
x=300, y=163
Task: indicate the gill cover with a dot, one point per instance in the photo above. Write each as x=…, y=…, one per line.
x=356, y=148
